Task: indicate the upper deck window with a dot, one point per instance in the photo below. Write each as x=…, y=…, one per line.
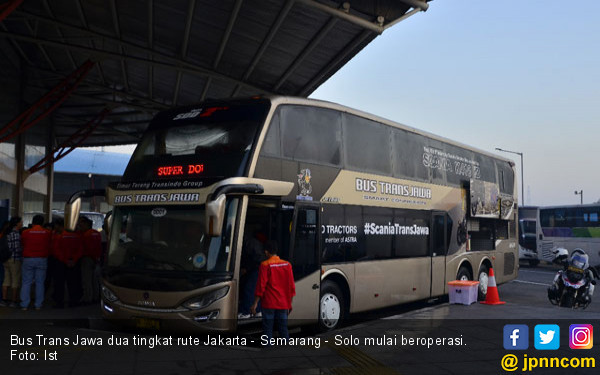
x=367, y=145
x=310, y=134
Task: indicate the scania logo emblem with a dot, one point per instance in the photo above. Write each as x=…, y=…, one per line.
x=146, y=295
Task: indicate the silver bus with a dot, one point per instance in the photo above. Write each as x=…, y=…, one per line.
x=570, y=227
x=370, y=213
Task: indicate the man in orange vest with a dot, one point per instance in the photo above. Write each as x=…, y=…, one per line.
x=275, y=289
x=67, y=250
x=92, y=250
x=36, y=248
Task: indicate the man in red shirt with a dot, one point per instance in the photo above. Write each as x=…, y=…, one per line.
x=67, y=250
x=275, y=289
x=36, y=248
x=92, y=249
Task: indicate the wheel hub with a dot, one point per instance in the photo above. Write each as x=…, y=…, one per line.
x=483, y=282
x=330, y=310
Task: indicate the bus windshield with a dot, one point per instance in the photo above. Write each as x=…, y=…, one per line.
x=197, y=142
x=149, y=244
x=528, y=227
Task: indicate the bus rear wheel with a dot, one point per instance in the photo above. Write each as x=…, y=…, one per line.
x=464, y=274
x=483, y=278
x=332, y=308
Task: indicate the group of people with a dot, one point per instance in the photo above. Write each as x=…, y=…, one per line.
x=49, y=257
x=267, y=280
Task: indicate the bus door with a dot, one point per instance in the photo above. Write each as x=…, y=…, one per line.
x=438, y=248
x=305, y=262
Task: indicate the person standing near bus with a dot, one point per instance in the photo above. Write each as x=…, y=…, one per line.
x=12, y=267
x=92, y=250
x=36, y=248
x=67, y=250
x=5, y=255
x=275, y=290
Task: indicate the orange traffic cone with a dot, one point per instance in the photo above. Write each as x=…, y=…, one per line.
x=492, y=297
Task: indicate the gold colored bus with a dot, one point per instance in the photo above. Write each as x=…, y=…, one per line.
x=370, y=213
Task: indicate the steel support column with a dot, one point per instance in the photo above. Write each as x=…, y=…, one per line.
x=49, y=176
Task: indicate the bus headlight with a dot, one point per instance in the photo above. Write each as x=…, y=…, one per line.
x=206, y=299
x=108, y=294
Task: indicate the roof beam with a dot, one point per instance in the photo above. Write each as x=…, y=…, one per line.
x=309, y=48
x=111, y=90
x=345, y=15
x=378, y=27
x=355, y=43
x=93, y=44
x=59, y=31
x=176, y=63
x=263, y=47
x=16, y=46
x=224, y=41
x=150, y=47
x=115, y=20
x=40, y=47
x=184, y=46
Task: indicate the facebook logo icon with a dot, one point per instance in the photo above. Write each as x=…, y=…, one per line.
x=516, y=337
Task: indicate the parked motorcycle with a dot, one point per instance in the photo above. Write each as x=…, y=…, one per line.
x=573, y=286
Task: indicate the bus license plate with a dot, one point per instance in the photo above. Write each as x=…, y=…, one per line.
x=146, y=323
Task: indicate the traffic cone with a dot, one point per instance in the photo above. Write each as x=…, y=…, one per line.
x=492, y=297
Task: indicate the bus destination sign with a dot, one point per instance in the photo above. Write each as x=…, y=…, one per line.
x=180, y=170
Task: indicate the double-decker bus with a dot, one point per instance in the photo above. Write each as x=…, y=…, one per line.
x=569, y=227
x=370, y=213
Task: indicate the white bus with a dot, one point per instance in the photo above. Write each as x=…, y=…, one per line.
x=371, y=213
x=570, y=227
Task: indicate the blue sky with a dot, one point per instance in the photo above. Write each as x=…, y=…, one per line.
x=519, y=75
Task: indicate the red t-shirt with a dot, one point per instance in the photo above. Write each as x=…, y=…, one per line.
x=67, y=246
x=275, y=285
x=36, y=242
x=92, y=244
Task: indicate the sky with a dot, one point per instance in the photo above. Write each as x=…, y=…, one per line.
x=523, y=76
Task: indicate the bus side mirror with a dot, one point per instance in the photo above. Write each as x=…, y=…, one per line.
x=215, y=212
x=72, y=210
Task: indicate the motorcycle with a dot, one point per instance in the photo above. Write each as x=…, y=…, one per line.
x=573, y=286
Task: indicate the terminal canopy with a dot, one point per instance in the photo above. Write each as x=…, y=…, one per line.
x=150, y=55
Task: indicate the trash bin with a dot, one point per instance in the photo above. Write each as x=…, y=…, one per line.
x=463, y=292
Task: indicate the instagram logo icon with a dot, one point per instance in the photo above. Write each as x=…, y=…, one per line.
x=581, y=336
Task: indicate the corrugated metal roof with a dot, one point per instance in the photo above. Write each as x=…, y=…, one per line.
x=154, y=54
x=94, y=162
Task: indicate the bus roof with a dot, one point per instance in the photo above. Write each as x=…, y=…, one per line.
x=571, y=206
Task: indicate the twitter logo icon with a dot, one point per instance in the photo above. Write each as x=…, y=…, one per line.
x=546, y=336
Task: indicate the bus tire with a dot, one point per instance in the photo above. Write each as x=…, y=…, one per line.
x=332, y=306
x=483, y=279
x=464, y=274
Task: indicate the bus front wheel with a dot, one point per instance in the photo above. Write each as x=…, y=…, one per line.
x=331, y=306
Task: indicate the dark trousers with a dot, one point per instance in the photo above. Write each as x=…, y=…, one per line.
x=272, y=317
x=71, y=278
